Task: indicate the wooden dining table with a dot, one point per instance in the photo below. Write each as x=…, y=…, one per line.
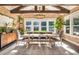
x=40, y=38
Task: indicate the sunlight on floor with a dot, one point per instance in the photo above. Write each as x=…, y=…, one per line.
x=65, y=46
x=13, y=51
x=21, y=43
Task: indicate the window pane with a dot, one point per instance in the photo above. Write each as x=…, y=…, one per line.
x=67, y=22
x=36, y=23
x=76, y=21
x=68, y=29
x=76, y=30
x=36, y=28
x=28, y=23
x=51, y=29
x=67, y=26
x=43, y=23
x=51, y=23
x=43, y=28
x=28, y=28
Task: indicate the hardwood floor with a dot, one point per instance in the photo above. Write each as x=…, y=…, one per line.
x=34, y=49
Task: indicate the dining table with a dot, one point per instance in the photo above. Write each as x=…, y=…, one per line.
x=40, y=38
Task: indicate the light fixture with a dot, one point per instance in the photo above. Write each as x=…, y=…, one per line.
x=39, y=16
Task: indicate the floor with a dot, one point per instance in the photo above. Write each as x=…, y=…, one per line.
x=20, y=49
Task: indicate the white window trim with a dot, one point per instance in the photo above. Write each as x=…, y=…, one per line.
x=34, y=19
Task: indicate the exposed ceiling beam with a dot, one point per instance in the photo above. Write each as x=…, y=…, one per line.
x=43, y=8
x=62, y=9
x=35, y=7
x=39, y=12
x=18, y=10
x=75, y=9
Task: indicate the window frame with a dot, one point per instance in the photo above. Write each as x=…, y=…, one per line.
x=74, y=24
x=39, y=20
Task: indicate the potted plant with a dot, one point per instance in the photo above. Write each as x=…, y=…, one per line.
x=21, y=28
x=59, y=26
x=2, y=30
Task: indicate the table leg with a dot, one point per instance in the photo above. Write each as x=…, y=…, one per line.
x=27, y=42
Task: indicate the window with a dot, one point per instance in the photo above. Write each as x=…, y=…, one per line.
x=67, y=26
x=51, y=26
x=43, y=26
x=28, y=26
x=28, y=23
x=76, y=26
x=36, y=26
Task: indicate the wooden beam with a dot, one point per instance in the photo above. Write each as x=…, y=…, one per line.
x=43, y=8
x=40, y=12
x=35, y=8
x=75, y=9
x=18, y=10
x=62, y=9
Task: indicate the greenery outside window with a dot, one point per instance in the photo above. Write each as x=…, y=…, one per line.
x=67, y=26
x=28, y=26
x=43, y=26
x=76, y=26
x=51, y=26
x=36, y=26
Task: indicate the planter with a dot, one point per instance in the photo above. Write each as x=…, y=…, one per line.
x=7, y=38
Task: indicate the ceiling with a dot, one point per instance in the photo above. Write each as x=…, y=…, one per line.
x=31, y=7
x=26, y=10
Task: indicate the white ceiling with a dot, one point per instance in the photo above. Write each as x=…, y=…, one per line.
x=51, y=8
x=69, y=7
x=28, y=8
